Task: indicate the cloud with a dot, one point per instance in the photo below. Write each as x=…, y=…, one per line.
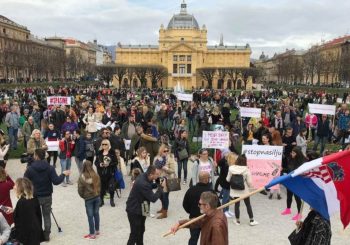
x=269, y=25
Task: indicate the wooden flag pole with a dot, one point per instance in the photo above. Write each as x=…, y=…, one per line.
x=221, y=207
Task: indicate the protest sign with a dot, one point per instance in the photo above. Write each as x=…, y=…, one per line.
x=52, y=145
x=127, y=144
x=322, y=109
x=58, y=100
x=215, y=139
x=184, y=97
x=250, y=112
x=264, y=163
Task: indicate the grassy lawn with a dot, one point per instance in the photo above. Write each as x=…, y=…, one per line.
x=20, y=149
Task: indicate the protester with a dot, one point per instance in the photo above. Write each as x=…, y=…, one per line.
x=27, y=214
x=52, y=135
x=181, y=149
x=191, y=200
x=79, y=150
x=27, y=130
x=6, y=185
x=213, y=226
x=89, y=147
x=12, y=123
x=141, y=161
x=240, y=168
x=165, y=162
x=66, y=146
x=322, y=133
x=89, y=190
x=36, y=141
x=204, y=163
x=90, y=122
x=106, y=164
x=43, y=176
x=138, y=203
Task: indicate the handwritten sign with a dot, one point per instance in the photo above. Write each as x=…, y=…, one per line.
x=52, y=145
x=250, y=112
x=58, y=100
x=322, y=109
x=215, y=139
x=184, y=97
x=264, y=163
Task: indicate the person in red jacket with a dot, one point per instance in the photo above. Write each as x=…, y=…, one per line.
x=6, y=184
x=66, y=146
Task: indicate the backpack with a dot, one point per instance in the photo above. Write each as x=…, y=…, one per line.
x=237, y=182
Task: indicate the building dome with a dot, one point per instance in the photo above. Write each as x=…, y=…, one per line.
x=183, y=20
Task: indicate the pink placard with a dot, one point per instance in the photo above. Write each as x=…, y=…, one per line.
x=263, y=171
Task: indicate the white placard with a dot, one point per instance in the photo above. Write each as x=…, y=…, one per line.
x=215, y=139
x=322, y=109
x=339, y=100
x=250, y=112
x=52, y=145
x=127, y=144
x=184, y=97
x=59, y=100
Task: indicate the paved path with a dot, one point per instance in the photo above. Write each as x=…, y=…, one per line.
x=69, y=210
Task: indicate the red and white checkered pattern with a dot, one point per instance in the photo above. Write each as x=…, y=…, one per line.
x=320, y=172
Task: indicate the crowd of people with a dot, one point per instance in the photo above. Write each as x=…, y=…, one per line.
x=145, y=134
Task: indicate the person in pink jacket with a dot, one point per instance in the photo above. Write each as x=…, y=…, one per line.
x=311, y=123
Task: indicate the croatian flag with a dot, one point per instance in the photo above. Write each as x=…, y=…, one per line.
x=323, y=183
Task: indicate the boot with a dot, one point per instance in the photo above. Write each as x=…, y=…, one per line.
x=163, y=215
x=160, y=211
x=112, y=202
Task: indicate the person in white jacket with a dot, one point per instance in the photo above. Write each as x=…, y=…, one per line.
x=302, y=141
x=240, y=168
x=5, y=230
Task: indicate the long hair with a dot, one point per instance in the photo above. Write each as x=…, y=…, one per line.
x=24, y=188
x=89, y=173
x=276, y=138
x=2, y=174
x=231, y=158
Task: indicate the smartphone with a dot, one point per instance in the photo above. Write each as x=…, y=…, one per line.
x=4, y=208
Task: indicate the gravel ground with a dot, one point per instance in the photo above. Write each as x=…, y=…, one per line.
x=69, y=210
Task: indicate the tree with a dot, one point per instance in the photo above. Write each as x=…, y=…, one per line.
x=233, y=75
x=140, y=72
x=106, y=72
x=120, y=72
x=246, y=73
x=207, y=74
x=157, y=73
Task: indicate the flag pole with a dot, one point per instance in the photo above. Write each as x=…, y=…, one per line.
x=221, y=207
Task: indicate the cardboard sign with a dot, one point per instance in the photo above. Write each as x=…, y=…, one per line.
x=58, y=100
x=215, y=139
x=127, y=144
x=322, y=109
x=250, y=112
x=184, y=97
x=52, y=145
x=264, y=163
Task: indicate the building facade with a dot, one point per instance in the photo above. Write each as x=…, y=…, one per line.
x=183, y=50
x=25, y=58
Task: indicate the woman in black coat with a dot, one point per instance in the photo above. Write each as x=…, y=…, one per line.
x=181, y=144
x=27, y=214
x=106, y=163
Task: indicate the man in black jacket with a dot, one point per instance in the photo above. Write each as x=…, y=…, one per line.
x=43, y=175
x=191, y=200
x=137, y=205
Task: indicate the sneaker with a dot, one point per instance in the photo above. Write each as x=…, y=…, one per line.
x=253, y=223
x=232, y=214
x=90, y=237
x=228, y=215
x=270, y=196
x=286, y=211
x=185, y=182
x=297, y=217
x=64, y=184
x=237, y=222
x=279, y=196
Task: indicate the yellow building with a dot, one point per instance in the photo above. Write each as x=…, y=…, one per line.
x=182, y=50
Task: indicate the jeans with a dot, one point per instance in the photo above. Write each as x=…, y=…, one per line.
x=79, y=164
x=13, y=135
x=321, y=140
x=45, y=204
x=290, y=199
x=65, y=165
x=182, y=164
x=137, y=229
x=92, y=211
x=195, y=233
x=249, y=208
x=191, y=125
x=225, y=197
x=164, y=199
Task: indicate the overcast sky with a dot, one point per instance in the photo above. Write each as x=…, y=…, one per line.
x=267, y=25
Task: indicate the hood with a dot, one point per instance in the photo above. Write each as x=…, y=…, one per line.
x=238, y=169
x=148, y=137
x=40, y=166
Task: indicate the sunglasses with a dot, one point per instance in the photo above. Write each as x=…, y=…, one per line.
x=104, y=144
x=166, y=151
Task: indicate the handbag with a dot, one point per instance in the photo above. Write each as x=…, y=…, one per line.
x=183, y=154
x=118, y=176
x=295, y=238
x=237, y=182
x=173, y=184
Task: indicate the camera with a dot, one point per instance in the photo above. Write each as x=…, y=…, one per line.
x=26, y=158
